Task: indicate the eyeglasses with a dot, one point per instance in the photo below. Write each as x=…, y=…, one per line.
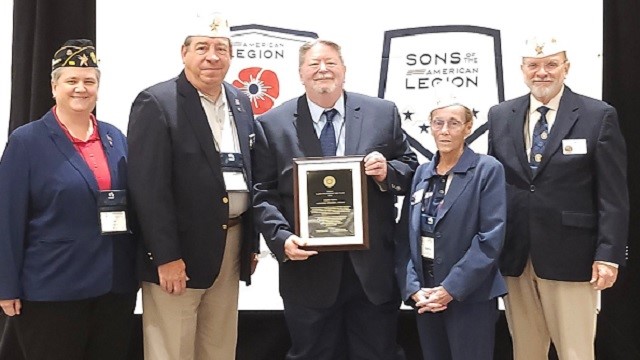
x=548, y=66
x=438, y=124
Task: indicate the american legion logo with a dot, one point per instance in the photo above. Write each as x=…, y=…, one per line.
x=416, y=60
x=265, y=64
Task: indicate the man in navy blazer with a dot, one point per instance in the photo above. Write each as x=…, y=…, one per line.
x=565, y=165
x=341, y=304
x=190, y=142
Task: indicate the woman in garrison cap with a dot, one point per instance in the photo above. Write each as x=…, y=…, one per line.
x=449, y=240
x=67, y=275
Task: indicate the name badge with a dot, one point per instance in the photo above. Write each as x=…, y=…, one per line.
x=574, y=146
x=112, y=222
x=428, y=247
x=233, y=172
x=112, y=212
x=234, y=181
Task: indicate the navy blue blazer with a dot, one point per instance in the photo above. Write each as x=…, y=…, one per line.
x=176, y=181
x=469, y=231
x=575, y=209
x=50, y=243
x=287, y=132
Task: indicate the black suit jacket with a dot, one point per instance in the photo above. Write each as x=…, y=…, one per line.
x=176, y=181
x=287, y=132
x=575, y=209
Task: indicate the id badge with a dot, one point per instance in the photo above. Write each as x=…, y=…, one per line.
x=234, y=181
x=112, y=212
x=113, y=222
x=428, y=247
x=233, y=172
x=574, y=146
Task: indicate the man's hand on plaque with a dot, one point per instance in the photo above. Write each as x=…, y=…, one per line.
x=375, y=165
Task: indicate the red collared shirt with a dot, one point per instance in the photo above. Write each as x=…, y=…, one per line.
x=92, y=153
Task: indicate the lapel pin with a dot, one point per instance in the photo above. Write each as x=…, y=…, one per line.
x=110, y=140
x=238, y=107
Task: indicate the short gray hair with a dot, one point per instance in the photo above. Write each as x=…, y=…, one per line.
x=308, y=45
x=55, y=74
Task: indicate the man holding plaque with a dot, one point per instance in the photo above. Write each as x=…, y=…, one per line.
x=338, y=304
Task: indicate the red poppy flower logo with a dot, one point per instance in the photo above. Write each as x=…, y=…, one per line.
x=261, y=85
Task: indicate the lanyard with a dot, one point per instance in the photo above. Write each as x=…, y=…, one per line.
x=431, y=202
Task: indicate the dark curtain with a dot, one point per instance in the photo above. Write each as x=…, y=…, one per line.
x=619, y=322
x=41, y=26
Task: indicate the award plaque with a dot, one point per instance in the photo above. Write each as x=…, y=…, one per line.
x=330, y=196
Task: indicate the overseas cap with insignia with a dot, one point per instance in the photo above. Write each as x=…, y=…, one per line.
x=447, y=94
x=539, y=47
x=213, y=25
x=75, y=53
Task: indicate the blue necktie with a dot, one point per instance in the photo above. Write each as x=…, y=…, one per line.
x=328, y=134
x=539, y=139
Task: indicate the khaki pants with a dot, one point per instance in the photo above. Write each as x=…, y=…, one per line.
x=199, y=324
x=539, y=311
